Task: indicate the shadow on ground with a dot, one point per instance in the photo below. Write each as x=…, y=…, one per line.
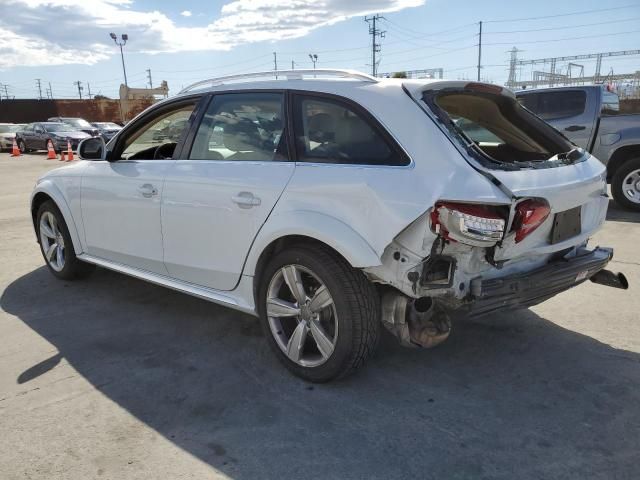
x=517, y=397
x=619, y=214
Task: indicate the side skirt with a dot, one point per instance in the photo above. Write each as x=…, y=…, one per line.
x=243, y=303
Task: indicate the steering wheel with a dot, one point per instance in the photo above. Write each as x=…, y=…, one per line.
x=164, y=151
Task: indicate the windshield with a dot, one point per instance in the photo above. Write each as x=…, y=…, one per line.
x=10, y=128
x=107, y=125
x=77, y=122
x=58, y=127
x=498, y=126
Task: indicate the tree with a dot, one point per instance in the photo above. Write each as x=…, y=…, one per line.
x=399, y=75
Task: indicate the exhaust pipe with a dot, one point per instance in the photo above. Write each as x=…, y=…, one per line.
x=610, y=279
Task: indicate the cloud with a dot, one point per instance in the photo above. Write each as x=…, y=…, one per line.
x=186, y=13
x=82, y=27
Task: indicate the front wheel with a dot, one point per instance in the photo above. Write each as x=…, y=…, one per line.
x=320, y=315
x=22, y=146
x=56, y=246
x=625, y=185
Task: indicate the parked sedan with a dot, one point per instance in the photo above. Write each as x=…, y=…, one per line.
x=8, y=133
x=78, y=124
x=107, y=129
x=35, y=136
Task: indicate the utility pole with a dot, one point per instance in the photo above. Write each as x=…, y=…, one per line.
x=293, y=66
x=6, y=94
x=50, y=90
x=314, y=59
x=89, y=90
x=149, y=77
x=374, y=31
x=275, y=63
x=39, y=88
x=79, y=85
x=479, y=50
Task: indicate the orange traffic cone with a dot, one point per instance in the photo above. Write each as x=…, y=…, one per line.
x=69, y=151
x=15, y=151
x=51, y=153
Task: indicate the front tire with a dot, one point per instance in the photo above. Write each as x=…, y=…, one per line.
x=320, y=315
x=625, y=185
x=56, y=246
x=22, y=147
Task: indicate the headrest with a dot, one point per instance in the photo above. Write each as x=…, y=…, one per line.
x=240, y=134
x=322, y=128
x=353, y=130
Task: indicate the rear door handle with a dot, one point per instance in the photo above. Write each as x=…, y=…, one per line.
x=575, y=128
x=246, y=200
x=147, y=190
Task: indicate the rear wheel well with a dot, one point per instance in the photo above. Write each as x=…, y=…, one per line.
x=38, y=200
x=620, y=156
x=279, y=245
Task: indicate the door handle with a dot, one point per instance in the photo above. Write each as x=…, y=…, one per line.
x=575, y=128
x=147, y=190
x=246, y=200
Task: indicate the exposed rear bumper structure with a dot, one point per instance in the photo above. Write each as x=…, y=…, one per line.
x=530, y=288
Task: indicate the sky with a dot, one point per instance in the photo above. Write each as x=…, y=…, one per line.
x=64, y=41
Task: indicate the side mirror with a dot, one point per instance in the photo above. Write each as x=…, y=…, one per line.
x=92, y=148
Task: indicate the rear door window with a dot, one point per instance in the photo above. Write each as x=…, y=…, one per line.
x=328, y=130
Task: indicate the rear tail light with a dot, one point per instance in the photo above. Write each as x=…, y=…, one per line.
x=476, y=225
x=530, y=214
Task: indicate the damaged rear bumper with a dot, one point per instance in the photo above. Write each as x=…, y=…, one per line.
x=527, y=289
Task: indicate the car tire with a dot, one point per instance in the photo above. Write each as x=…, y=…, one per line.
x=22, y=146
x=56, y=245
x=625, y=185
x=337, y=337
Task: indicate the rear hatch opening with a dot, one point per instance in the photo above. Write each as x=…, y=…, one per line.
x=557, y=191
x=497, y=130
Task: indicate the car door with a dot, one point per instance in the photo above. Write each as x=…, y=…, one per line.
x=221, y=190
x=121, y=198
x=567, y=110
x=39, y=137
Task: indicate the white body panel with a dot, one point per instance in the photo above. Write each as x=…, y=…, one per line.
x=206, y=234
x=121, y=219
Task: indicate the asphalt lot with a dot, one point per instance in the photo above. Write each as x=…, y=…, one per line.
x=115, y=378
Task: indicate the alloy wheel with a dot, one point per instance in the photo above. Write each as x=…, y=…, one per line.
x=52, y=241
x=631, y=186
x=302, y=315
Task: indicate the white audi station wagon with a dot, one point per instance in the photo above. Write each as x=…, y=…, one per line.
x=331, y=204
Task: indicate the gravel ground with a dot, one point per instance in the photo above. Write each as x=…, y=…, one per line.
x=115, y=378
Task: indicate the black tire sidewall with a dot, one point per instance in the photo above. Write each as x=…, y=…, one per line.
x=616, y=184
x=335, y=365
x=69, y=270
x=22, y=146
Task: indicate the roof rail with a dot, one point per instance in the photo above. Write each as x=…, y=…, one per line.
x=288, y=74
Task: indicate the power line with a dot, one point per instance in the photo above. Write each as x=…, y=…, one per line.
x=583, y=12
x=564, y=27
x=565, y=38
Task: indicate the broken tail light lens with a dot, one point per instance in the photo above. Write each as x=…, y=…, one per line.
x=530, y=214
x=476, y=225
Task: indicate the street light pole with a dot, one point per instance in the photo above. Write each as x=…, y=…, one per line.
x=121, y=44
x=314, y=59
